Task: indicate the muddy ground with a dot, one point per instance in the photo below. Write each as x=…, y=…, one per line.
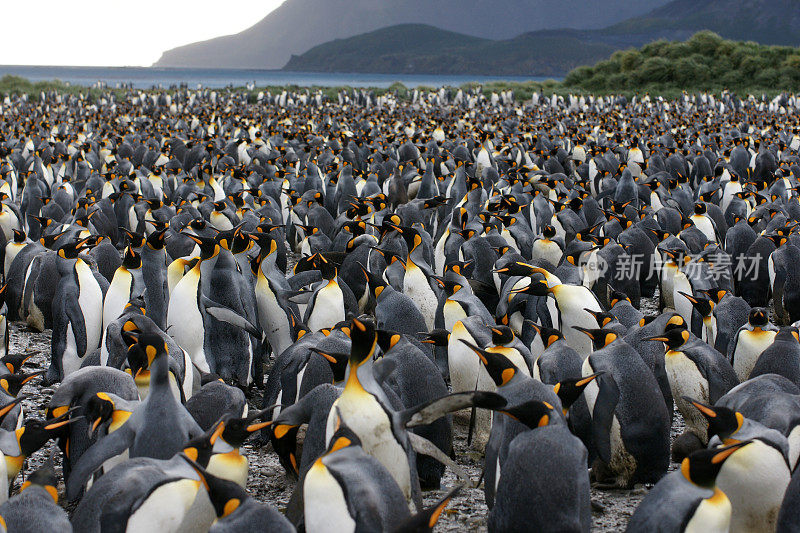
x=267, y=482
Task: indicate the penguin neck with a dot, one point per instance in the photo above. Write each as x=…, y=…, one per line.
x=159, y=376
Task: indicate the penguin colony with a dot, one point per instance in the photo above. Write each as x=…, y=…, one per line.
x=462, y=260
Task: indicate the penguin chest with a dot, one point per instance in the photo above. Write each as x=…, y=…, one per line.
x=713, y=515
x=363, y=414
x=682, y=305
x=165, y=508
x=416, y=287
x=117, y=295
x=754, y=478
x=705, y=225
x=90, y=299
x=453, y=312
x=328, y=307
x=547, y=250
x=324, y=502
x=185, y=320
x=231, y=466
x=571, y=302
x=466, y=370
x=748, y=350
x=686, y=380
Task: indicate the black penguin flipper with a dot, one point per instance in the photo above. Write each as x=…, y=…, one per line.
x=75, y=317
x=93, y=458
x=225, y=314
x=603, y=415
x=429, y=412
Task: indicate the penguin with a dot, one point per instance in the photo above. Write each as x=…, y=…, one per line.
x=126, y=285
x=688, y=499
x=545, y=484
x=751, y=340
x=237, y=511
x=35, y=508
x=325, y=307
x=157, y=428
x=77, y=314
x=76, y=390
x=782, y=357
x=418, y=275
x=694, y=370
x=757, y=473
x=632, y=446
x=347, y=489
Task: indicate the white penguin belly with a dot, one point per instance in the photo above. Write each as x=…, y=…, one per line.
x=117, y=296
x=713, y=515
x=685, y=380
x=70, y=360
x=572, y=301
x=417, y=287
x=185, y=321
x=90, y=300
x=231, y=466
x=754, y=478
x=363, y=414
x=682, y=305
x=794, y=446
x=328, y=308
x=453, y=312
x=325, y=507
x=748, y=350
x=165, y=508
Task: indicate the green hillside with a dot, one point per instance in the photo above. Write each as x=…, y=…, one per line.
x=704, y=62
x=423, y=49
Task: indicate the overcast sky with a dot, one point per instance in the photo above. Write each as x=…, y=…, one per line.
x=113, y=32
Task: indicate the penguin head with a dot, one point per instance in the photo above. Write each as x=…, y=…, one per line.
x=131, y=260
x=208, y=246
x=148, y=348
x=35, y=433
x=44, y=477
x=571, y=389
x=135, y=240
x=364, y=340
x=548, y=335
x=411, y=237
x=536, y=287
x=72, y=250
x=437, y=337
x=14, y=361
x=548, y=232
x=501, y=335
x=703, y=305
x=155, y=241
x=533, y=413
x=600, y=337
x=265, y=241
x=99, y=409
x=702, y=466
x=758, y=317
x=12, y=383
x=19, y=236
x=226, y=496
x=603, y=318
x=375, y=282
x=722, y=421
x=343, y=437
x=674, y=338
x=499, y=367
x=338, y=362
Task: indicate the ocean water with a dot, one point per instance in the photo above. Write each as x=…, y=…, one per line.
x=147, y=77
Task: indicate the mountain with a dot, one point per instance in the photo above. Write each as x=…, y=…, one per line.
x=423, y=49
x=427, y=50
x=762, y=21
x=298, y=25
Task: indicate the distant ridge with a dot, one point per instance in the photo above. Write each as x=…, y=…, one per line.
x=299, y=25
x=549, y=52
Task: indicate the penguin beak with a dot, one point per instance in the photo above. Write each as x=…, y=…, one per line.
x=252, y=428
x=217, y=432
x=94, y=425
x=662, y=339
